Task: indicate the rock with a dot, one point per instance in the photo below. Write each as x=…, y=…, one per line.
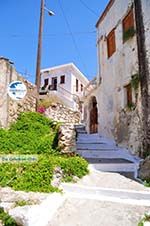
x=1, y=223
x=38, y=215
x=75, y=179
x=9, y=196
x=20, y=215
x=57, y=177
x=144, y=172
x=67, y=138
x=7, y=206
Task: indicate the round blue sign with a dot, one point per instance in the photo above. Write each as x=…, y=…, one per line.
x=17, y=90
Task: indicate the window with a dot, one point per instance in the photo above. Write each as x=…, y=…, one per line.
x=77, y=85
x=45, y=82
x=128, y=26
x=128, y=89
x=111, y=43
x=54, y=83
x=81, y=87
x=62, y=79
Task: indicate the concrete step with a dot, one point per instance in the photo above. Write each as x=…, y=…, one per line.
x=113, y=167
x=104, y=155
x=108, y=154
x=95, y=146
x=95, y=141
x=87, y=139
x=92, y=136
x=121, y=194
x=106, y=160
x=81, y=132
x=79, y=126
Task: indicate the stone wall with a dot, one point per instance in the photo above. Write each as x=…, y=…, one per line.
x=60, y=113
x=67, y=138
x=68, y=118
x=10, y=109
x=128, y=130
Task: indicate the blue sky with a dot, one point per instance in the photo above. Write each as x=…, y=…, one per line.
x=19, y=32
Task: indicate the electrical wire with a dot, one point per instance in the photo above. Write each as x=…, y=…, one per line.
x=72, y=36
x=48, y=35
x=86, y=6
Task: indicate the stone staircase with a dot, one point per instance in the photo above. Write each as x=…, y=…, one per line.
x=104, y=154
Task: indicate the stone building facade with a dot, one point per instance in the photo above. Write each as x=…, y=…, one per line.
x=117, y=97
x=10, y=109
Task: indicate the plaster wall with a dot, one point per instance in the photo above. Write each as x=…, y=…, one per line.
x=116, y=71
x=67, y=91
x=7, y=75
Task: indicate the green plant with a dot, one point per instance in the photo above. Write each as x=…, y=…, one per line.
x=144, y=219
x=6, y=219
x=33, y=133
x=23, y=203
x=135, y=81
x=131, y=106
x=73, y=166
x=37, y=176
x=147, y=183
x=49, y=101
x=128, y=34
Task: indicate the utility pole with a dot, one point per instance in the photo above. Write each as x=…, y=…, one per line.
x=39, y=51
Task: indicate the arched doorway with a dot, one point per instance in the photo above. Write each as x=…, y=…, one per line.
x=93, y=115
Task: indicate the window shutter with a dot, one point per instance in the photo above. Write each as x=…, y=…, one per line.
x=111, y=43
x=129, y=94
x=128, y=21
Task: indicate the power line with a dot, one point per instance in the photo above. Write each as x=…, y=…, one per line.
x=72, y=36
x=86, y=6
x=48, y=35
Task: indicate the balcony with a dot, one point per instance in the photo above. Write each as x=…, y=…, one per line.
x=45, y=89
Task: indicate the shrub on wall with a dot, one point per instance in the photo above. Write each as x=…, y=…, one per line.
x=49, y=101
x=135, y=81
x=128, y=34
x=31, y=134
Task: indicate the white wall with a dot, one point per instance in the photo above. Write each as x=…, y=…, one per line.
x=115, y=71
x=68, y=89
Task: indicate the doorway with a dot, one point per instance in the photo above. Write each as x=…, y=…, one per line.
x=93, y=115
x=54, y=83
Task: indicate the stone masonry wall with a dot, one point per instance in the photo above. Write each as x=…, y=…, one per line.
x=10, y=109
x=68, y=118
x=60, y=113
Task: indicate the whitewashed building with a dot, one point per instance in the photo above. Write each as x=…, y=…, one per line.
x=66, y=81
x=119, y=98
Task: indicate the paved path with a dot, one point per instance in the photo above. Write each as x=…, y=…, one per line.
x=90, y=203
x=110, y=180
x=83, y=212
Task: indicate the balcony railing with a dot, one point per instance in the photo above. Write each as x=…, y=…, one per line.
x=45, y=89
